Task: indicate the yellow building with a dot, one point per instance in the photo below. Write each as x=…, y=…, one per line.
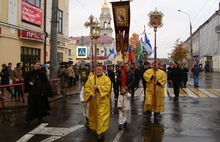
x=25, y=31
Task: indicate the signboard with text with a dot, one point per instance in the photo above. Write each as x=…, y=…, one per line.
x=24, y=34
x=31, y=14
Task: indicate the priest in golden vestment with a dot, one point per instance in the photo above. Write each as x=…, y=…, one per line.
x=99, y=101
x=154, y=101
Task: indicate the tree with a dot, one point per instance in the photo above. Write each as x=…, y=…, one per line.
x=180, y=52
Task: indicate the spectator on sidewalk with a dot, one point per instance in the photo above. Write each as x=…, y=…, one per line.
x=5, y=78
x=17, y=78
x=64, y=86
x=10, y=71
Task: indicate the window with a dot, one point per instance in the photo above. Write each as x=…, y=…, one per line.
x=60, y=21
x=69, y=52
x=59, y=57
x=36, y=3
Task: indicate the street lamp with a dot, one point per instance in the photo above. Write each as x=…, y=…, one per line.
x=94, y=34
x=191, y=49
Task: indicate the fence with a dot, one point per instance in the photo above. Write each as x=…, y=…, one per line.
x=5, y=101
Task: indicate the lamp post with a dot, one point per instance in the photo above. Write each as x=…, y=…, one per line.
x=94, y=35
x=191, y=49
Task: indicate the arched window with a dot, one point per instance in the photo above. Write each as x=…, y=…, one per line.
x=105, y=25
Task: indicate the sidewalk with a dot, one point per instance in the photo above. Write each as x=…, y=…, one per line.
x=12, y=105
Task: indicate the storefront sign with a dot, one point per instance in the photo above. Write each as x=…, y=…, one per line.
x=31, y=14
x=31, y=35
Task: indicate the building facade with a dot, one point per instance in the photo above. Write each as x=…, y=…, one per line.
x=25, y=31
x=206, y=43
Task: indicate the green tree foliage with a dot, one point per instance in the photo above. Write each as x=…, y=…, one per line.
x=180, y=52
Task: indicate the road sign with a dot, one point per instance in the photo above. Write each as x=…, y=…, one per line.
x=81, y=52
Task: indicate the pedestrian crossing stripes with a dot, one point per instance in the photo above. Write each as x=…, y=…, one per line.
x=196, y=92
x=190, y=92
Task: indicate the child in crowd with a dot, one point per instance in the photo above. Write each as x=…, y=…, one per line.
x=124, y=107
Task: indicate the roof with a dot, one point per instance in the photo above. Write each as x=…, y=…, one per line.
x=103, y=38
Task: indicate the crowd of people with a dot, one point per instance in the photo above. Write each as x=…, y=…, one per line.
x=98, y=84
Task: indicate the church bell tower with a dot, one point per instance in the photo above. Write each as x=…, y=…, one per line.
x=105, y=20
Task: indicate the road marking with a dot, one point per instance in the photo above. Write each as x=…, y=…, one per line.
x=190, y=93
x=207, y=92
x=199, y=93
x=55, y=132
x=139, y=92
x=118, y=136
x=182, y=93
x=170, y=92
x=215, y=91
x=165, y=92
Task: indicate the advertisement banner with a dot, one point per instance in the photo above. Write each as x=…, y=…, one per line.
x=31, y=14
x=30, y=35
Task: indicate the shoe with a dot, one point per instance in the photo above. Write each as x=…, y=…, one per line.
x=101, y=137
x=176, y=99
x=87, y=126
x=120, y=126
x=132, y=99
x=125, y=124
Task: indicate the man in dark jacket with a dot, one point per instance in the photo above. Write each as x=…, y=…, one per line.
x=118, y=81
x=176, y=78
x=5, y=78
x=36, y=85
x=130, y=80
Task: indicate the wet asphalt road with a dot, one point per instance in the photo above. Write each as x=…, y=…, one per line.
x=191, y=119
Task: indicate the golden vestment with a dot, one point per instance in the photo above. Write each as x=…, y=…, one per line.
x=154, y=102
x=99, y=107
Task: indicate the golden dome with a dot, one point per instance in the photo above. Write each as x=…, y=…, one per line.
x=105, y=5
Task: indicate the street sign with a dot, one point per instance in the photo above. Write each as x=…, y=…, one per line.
x=81, y=52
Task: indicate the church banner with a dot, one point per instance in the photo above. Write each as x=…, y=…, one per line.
x=121, y=15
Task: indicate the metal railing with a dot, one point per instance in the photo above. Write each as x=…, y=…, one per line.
x=4, y=101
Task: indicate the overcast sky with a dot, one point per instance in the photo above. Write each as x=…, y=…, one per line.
x=176, y=24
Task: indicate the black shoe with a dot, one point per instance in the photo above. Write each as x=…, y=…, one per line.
x=87, y=126
x=176, y=99
x=101, y=137
x=125, y=124
x=120, y=126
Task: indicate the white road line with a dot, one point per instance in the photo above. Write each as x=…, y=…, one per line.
x=118, y=136
x=139, y=92
x=170, y=91
x=165, y=92
x=55, y=132
x=207, y=93
x=217, y=90
x=190, y=93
